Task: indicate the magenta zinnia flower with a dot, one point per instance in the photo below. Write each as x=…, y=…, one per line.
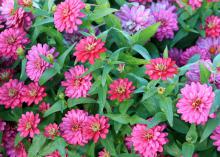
x=195, y=103
x=10, y=40
x=175, y=54
x=104, y=153
x=212, y=45
x=121, y=89
x=135, y=18
x=212, y=28
x=190, y=52
x=35, y=63
x=73, y=127
x=216, y=137
x=68, y=15
x=51, y=131
x=28, y=123
x=77, y=86
x=33, y=93
x=89, y=49
x=97, y=127
x=10, y=94
x=165, y=14
x=44, y=107
x=148, y=142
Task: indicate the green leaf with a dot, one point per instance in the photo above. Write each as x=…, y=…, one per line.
x=210, y=126
x=187, y=149
x=143, y=36
x=58, y=106
x=18, y=139
x=109, y=145
x=91, y=150
x=132, y=60
x=157, y=118
x=180, y=126
x=62, y=58
x=216, y=104
x=49, y=148
x=120, y=118
x=204, y=74
x=43, y=21
x=192, y=135
x=102, y=95
x=36, y=145
x=124, y=106
x=165, y=53
x=50, y=4
x=216, y=61
x=100, y=12
x=172, y=149
x=74, y=102
x=48, y=74
x=61, y=146
x=167, y=107
x=179, y=35
x=23, y=75
x=112, y=21
x=98, y=64
x=105, y=73
x=142, y=51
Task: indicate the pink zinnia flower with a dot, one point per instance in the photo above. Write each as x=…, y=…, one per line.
x=35, y=63
x=33, y=93
x=51, y=131
x=148, y=142
x=97, y=127
x=195, y=3
x=28, y=123
x=10, y=94
x=104, y=153
x=44, y=107
x=216, y=137
x=89, y=49
x=195, y=103
x=73, y=127
x=190, y=52
x=68, y=15
x=121, y=89
x=212, y=28
x=54, y=154
x=77, y=86
x=128, y=143
x=6, y=75
x=10, y=40
x=25, y=3
x=161, y=68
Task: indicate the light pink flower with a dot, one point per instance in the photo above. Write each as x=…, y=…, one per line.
x=121, y=89
x=216, y=137
x=97, y=127
x=10, y=94
x=35, y=63
x=44, y=107
x=89, y=49
x=68, y=15
x=10, y=40
x=51, y=131
x=33, y=93
x=28, y=123
x=148, y=142
x=77, y=86
x=195, y=103
x=104, y=153
x=73, y=127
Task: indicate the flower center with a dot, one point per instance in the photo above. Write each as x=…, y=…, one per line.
x=4, y=76
x=52, y=132
x=27, y=2
x=211, y=25
x=38, y=64
x=212, y=50
x=106, y=154
x=90, y=47
x=11, y=40
x=12, y=92
x=148, y=136
x=120, y=89
x=65, y=12
x=196, y=103
x=75, y=127
x=96, y=127
x=28, y=126
x=33, y=92
x=77, y=82
x=161, y=67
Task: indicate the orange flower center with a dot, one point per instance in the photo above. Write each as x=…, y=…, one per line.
x=12, y=92
x=75, y=127
x=11, y=40
x=161, y=67
x=90, y=47
x=28, y=126
x=212, y=50
x=148, y=136
x=96, y=127
x=120, y=89
x=196, y=103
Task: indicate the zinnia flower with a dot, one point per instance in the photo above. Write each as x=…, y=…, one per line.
x=135, y=18
x=28, y=123
x=195, y=103
x=190, y=52
x=216, y=137
x=10, y=40
x=35, y=63
x=89, y=49
x=104, y=153
x=25, y=3
x=148, y=141
x=6, y=75
x=195, y=3
x=73, y=127
x=44, y=107
x=141, y=1
x=51, y=131
x=10, y=94
x=175, y=54
x=212, y=45
x=33, y=93
x=54, y=154
x=68, y=15
x=165, y=14
x=77, y=86
x=161, y=68
x=121, y=89
x=212, y=27
x=97, y=127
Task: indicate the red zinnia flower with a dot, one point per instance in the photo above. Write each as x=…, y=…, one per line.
x=121, y=89
x=89, y=49
x=161, y=68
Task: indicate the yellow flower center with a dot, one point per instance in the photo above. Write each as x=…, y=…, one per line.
x=120, y=89
x=12, y=92
x=96, y=127
x=161, y=67
x=33, y=92
x=90, y=47
x=196, y=103
x=148, y=136
x=28, y=126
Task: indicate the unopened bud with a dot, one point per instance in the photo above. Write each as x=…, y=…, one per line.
x=53, y=9
x=160, y=90
x=20, y=52
x=87, y=8
x=50, y=58
x=121, y=67
x=61, y=96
